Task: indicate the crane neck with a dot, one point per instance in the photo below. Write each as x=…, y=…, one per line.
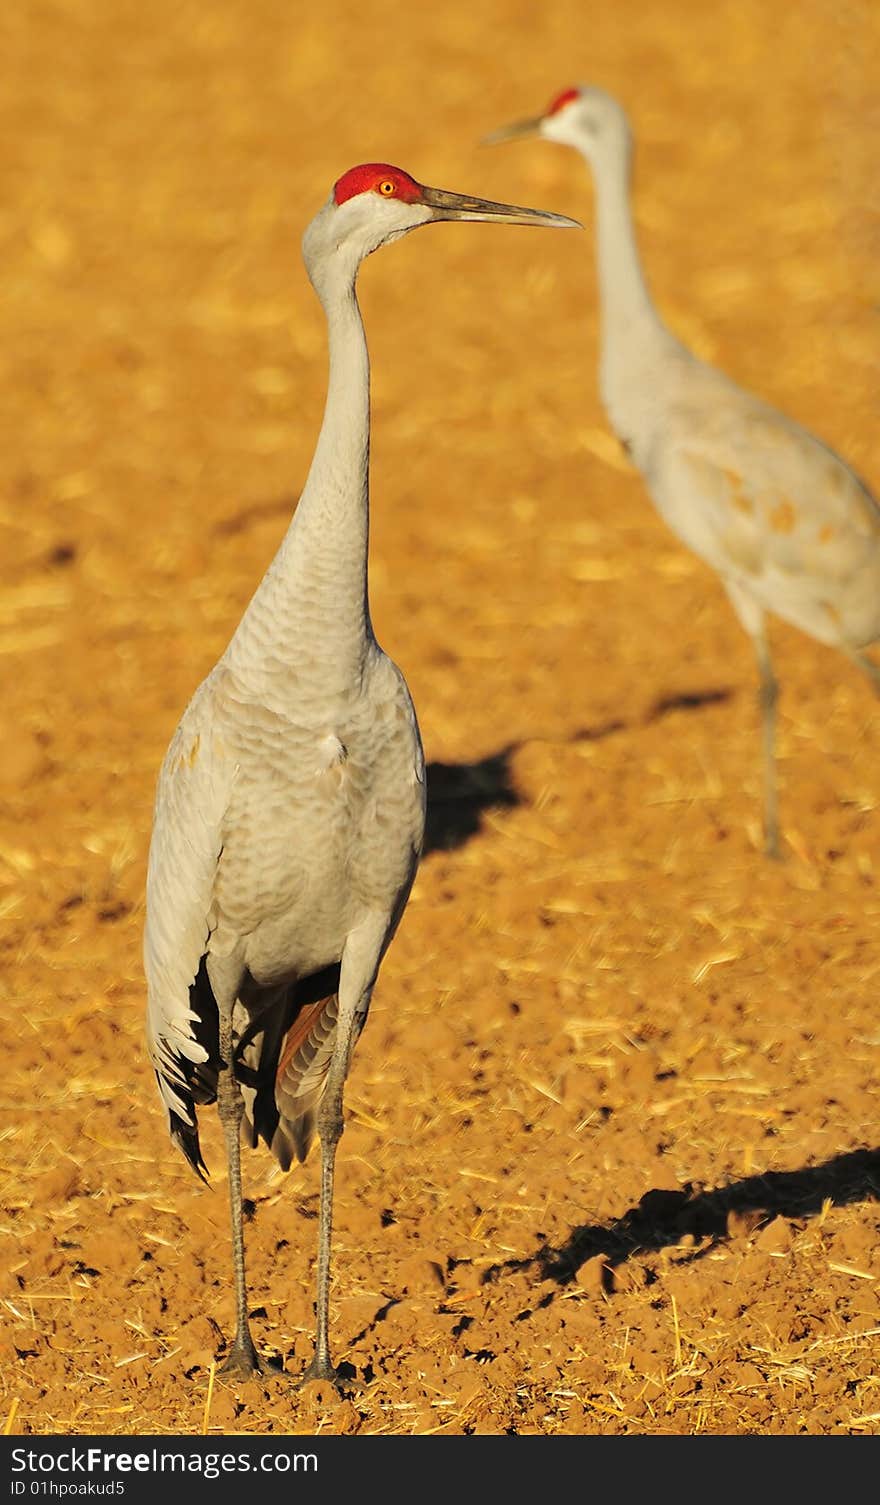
x=308, y=625
x=630, y=328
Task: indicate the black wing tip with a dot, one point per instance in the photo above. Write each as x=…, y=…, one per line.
x=186, y=1137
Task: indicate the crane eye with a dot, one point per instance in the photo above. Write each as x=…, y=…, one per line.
x=386, y=187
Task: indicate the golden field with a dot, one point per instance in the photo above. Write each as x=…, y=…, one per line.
x=611, y=1162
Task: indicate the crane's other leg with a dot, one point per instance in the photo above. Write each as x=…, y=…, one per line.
x=768, y=695
x=751, y=615
x=867, y=666
x=360, y=964
x=242, y=1360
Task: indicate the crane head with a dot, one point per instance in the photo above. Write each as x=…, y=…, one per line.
x=379, y=178
x=376, y=203
x=582, y=116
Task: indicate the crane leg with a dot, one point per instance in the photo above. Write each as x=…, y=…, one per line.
x=330, y=1128
x=360, y=963
x=768, y=695
x=751, y=615
x=868, y=668
x=242, y=1360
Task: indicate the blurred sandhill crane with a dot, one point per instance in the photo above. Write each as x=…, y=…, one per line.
x=290, y=806
x=786, y=523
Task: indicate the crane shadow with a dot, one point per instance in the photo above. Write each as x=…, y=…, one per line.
x=688, y=700
x=459, y=794
x=254, y=513
x=661, y=1219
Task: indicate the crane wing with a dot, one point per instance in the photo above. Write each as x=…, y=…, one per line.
x=754, y=493
x=191, y=800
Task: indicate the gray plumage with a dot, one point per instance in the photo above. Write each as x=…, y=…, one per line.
x=278, y=833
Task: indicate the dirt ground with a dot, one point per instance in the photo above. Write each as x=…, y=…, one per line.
x=612, y=1161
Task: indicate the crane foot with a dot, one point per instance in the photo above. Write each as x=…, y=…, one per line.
x=243, y=1362
x=322, y=1369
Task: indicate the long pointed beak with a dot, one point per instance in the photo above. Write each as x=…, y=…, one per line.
x=460, y=206
x=514, y=132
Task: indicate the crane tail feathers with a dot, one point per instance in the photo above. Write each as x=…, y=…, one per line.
x=292, y=1141
x=287, y=1064
x=302, y=1072
x=281, y=1061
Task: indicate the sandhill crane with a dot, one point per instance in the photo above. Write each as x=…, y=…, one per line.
x=290, y=806
x=786, y=523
